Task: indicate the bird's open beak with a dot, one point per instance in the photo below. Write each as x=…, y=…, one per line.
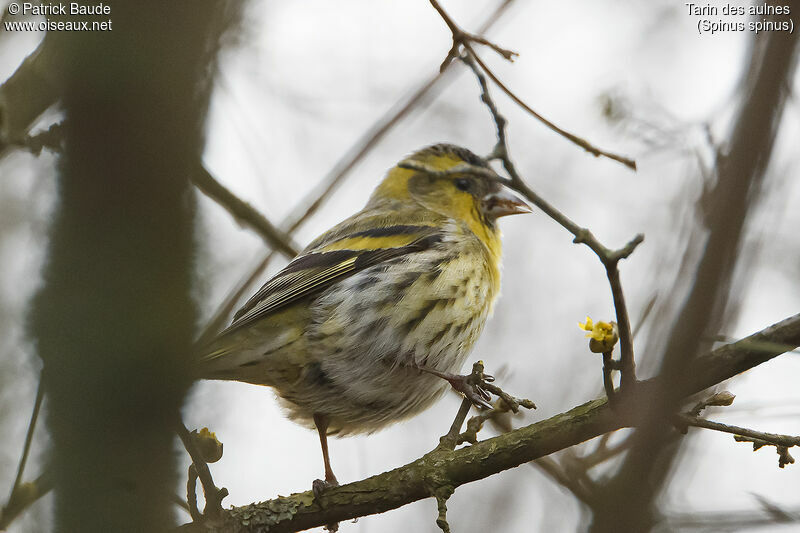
x=503, y=203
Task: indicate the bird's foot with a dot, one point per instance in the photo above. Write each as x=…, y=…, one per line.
x=473, y=386
x=319, y=486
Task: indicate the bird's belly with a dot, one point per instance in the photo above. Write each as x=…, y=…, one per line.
x=366, y=351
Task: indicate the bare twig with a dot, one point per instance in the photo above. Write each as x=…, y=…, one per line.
x=609, y=258
x=450, y=440
x=244, y=213
x=555, y=472
x=731, y=520
x=216, y=323
x=51, y=138
x=774, y=439
x=462, y=38
x=442, y=494
x=602, y=454
x=213, y=495
x=37, y=405
x=191, y=493
x=759, y=438
x=25, y=496
x=27, y=93
x=608, y=383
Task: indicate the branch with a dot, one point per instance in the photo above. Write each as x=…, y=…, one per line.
x=609, y=258
x=440, y=468
x=741, y=434
x=244, y=213
x=24, y=494
x=28, y=93
x=771, y=438
x=199, y=469
x=462, y=38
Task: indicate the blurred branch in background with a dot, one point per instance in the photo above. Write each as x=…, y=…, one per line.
x=629, y=502
x=244, y=213
x=28, y=93
x=24, y=494
x=114, y=319
x=734, y=520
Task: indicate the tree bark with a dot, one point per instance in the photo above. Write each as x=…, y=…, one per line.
x=114, y=320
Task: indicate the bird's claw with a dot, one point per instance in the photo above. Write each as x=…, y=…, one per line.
x=319, y=486
x=472, y=389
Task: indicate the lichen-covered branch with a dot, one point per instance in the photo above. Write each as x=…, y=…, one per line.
x=442, y=467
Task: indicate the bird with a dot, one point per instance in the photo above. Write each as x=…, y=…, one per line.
x=369, y=323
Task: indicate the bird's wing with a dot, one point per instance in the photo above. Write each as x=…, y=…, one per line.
x=319, y=268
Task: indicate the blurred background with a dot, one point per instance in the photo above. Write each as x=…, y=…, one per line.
x=298, y=87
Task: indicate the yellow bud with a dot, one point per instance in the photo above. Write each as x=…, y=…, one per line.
x=604, y=335
x=208, y=445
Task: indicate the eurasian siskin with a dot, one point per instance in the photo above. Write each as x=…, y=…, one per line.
x=358, y=330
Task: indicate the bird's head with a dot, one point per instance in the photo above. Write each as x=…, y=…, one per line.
x=453, y=182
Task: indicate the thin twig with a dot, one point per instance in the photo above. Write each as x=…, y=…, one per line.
x=37, y=405
x=450, y=440
x=216, y=323
x=213, y=495
x=609, y=258
x=774, y=439
x=244, y=213
x=191, y=494
x=601, y=455
x=442, y=494
x=25, y=496
x=177, y=500
x=583, y=143
x=556, y=473
x=462, y=38
x=608, y=383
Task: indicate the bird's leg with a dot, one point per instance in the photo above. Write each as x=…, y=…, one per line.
x=321, y=421
x=470, y=385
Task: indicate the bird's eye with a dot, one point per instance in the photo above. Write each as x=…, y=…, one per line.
x=463, y=184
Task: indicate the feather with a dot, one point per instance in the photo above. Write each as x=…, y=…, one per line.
x=313, y=271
